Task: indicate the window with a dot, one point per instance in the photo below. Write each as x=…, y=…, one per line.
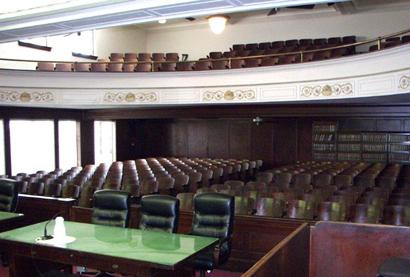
x=32, y=145
x=2, y=154
x=68, y=135
x=104, y=141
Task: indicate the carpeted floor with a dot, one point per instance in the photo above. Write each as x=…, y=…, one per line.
x=215, y=273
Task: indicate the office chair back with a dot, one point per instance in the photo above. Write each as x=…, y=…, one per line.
x=111, y=207
x=8, y=195
x=159, y=212
x=213, y=217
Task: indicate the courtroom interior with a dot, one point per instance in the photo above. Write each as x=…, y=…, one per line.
x=217, y=138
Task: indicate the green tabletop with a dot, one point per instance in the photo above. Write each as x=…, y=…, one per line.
x=148, y=246
x=7, y=215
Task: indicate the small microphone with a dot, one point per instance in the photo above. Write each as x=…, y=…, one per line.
x=46, y=236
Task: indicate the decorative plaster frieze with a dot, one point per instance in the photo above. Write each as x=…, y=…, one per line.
x=404, y=82
x=26, y=97
x=327, y=90
x=130, y=97
x=229, y=95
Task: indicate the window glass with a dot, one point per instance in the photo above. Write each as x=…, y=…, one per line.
x=104, y=141
x=32, y=145
x=68, y=136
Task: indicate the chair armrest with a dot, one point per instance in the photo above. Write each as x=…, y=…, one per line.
x=217, y=248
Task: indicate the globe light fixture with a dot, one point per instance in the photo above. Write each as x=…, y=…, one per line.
x=217, y=23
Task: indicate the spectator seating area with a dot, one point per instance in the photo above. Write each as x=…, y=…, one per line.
x=338, y=191
x=239, y=56
x=139, y=177
x=341, y=191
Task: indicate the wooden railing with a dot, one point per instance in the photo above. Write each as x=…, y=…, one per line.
x=290, y=257
x=301, y=54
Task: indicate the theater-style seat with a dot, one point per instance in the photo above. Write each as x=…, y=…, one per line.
x=8, y=195
x=213, y=217
x=159, y=212
x=111, y=207
x=64, y=67
x=45, y=66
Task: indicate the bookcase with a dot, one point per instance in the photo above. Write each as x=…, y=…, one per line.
x=324, y=141
x=399, y=147
x=349, y=146
x=330, y=144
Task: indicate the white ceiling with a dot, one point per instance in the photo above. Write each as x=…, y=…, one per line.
x=47, y=17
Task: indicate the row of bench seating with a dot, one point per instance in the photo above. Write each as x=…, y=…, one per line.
x=139, y=177
x=359, y=192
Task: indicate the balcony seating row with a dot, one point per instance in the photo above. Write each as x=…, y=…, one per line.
x=283, y=52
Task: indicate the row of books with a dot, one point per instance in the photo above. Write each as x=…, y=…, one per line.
x=399, y=147
x=324, y=147
x=374, y=147
x=374, y=137
x=374, y=157
x=324, y=156
x=323, y=137
x=349, y=147
x=349, y=156
x=349, y=137
x=324, y=127
x=399, y=157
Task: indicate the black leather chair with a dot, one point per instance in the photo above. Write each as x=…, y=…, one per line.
x=8, y=195
x=159, y=212
x=111, y=207
x=213, y=217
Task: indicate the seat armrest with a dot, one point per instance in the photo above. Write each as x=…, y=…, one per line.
x=217, y=248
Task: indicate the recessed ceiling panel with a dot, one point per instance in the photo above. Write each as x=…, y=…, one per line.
x=130, y=16
x=27, y=32
x=5, y=36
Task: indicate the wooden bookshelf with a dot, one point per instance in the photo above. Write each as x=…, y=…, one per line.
x=349, y=146
x=399, y=147
x=324, y=141
x=329, y=143
x=375, y=147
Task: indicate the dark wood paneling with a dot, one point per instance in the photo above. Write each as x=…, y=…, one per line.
x=218, y=139
x=197, y=138
x=251, y=111
x=40, y=208
x=262, y=143
x=290, y=257
x=179, y=141
x=285, y=142
x=304, y=137
x=87, y=142
x=39, y=113
x=240, y=139
x=388, y=125
x=355, y=250
x=358, y=124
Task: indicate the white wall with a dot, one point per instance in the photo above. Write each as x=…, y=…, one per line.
x=122, y=40
x=100, y=43
x=198, y=40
